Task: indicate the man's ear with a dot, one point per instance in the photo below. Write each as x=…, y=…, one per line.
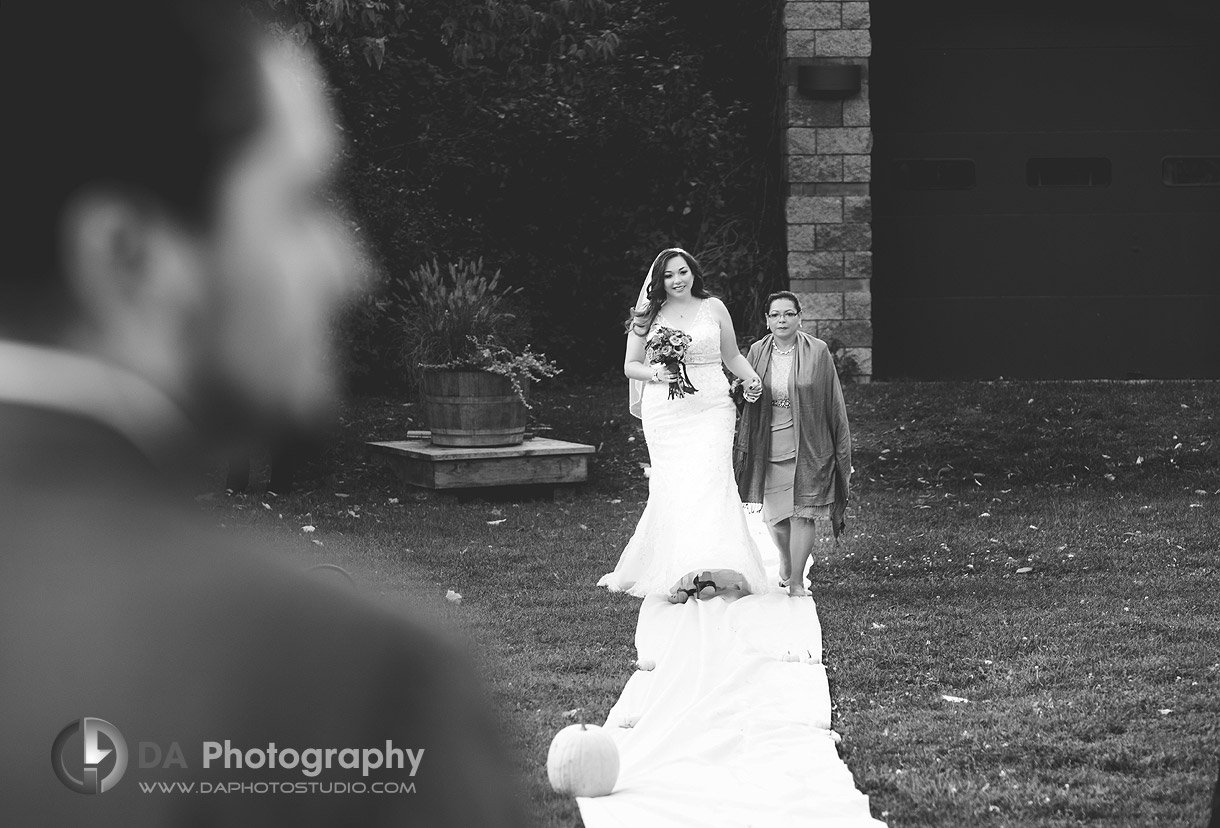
x=136, y=279
x=105, y=241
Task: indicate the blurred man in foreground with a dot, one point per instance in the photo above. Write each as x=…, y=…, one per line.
x=172, y=264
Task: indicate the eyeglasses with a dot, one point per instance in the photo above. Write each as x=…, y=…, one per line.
x=782, y=315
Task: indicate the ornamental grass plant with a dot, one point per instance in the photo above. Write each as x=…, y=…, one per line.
x=460, y=318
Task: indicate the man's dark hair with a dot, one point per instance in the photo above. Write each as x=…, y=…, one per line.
x=150, y=98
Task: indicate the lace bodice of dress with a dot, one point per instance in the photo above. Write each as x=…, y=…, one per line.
x=704, y=331
x=781, y=371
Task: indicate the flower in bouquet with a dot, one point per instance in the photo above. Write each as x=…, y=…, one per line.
x=668, y=347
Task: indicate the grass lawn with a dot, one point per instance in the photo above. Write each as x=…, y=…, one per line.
x=1046, y=552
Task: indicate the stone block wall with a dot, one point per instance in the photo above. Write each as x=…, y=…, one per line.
x=827, y=169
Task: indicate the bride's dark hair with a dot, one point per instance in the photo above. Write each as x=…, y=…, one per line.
x=640, y=320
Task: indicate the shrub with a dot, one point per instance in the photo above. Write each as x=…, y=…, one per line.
x=446, y=310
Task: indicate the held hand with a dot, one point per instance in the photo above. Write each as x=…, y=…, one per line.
x=660, y=373
x=753, y=390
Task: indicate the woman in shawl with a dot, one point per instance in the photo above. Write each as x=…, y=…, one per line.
x=792, y=452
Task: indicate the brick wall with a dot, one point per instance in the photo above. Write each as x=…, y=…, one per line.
x=827, y=168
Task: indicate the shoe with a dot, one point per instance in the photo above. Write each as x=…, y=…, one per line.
x=681, y=596
x=783, y=582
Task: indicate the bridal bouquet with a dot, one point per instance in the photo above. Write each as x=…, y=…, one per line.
x=668, y=347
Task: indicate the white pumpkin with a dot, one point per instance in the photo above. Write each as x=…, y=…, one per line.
x=582, y=761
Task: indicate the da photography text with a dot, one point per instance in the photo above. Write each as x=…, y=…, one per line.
x=90, y=756
x=309, y=761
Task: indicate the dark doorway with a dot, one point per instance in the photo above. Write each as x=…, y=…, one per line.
x=1046, y=189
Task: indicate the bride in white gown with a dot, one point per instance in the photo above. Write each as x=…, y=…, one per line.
x=692, y=538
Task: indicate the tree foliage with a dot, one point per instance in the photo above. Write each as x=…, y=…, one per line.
x=563, y=141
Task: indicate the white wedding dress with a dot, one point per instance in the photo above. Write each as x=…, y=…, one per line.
x=694, y=522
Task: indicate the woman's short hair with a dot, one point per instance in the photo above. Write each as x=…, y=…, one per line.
x=781, y=294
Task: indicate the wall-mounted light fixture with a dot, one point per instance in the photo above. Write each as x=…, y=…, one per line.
x=828, y=81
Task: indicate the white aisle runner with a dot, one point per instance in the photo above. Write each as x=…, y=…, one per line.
x=732, y=726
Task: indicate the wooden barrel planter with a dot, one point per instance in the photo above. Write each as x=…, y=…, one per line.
x=472, y=408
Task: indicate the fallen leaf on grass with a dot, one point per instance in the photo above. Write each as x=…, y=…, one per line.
x=571, y=714
x=318, y=542
x=877, y=626
x=453, y=597
x=954, y=699
x=309, y=529
x=1165, y=711
x=985, y=514
x=496, y=522
x=1025, y=569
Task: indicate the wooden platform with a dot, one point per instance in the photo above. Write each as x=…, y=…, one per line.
x=537, y=461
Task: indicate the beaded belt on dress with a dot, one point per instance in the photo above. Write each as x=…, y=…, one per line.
x=781, y=403
x=690, y=362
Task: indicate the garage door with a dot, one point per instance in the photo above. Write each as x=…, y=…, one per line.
x=1046, y=189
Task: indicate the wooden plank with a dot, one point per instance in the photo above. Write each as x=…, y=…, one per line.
x=412, y=472
x=424, y=434
x=463, y=474
x=424, y=449
x=546, y=462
